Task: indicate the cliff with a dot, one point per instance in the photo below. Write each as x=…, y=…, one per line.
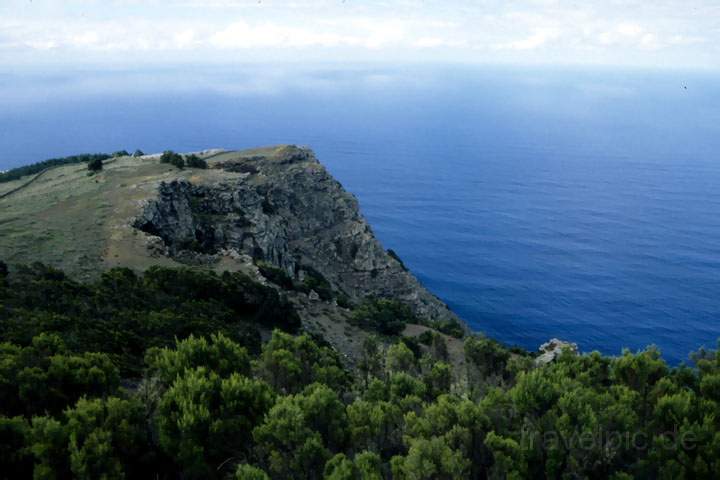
x=258, y=211
x=284, y=209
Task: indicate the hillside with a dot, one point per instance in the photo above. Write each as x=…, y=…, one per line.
x=241, y=321
x=274, y=214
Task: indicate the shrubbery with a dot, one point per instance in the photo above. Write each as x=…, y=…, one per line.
x=193, y=161
x=316, y=282
x=312, y=281
x=190, y=161
x=276, y=275
x=385, y=316
x=172, y=158
x=123, y=314
x=95, y=165
x=210, y=406
x=449, y=327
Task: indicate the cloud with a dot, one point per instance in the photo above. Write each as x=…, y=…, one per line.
x=534, y=41
x=608, y=31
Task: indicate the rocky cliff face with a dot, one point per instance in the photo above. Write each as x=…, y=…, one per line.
x=283, y=208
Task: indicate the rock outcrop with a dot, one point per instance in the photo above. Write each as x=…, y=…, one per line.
x=552, y=349
x=284, y=209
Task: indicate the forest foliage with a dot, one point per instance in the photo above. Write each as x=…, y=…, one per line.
x=160, y=376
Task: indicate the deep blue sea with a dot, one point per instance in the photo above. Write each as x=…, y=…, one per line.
x=537, y=202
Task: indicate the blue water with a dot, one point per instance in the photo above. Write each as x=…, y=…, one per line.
x=538, y=203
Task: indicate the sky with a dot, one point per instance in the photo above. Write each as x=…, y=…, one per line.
x=644, y=33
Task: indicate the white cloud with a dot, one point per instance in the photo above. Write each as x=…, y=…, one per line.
x=629, y=29
x=534, y=41
x=608, y=31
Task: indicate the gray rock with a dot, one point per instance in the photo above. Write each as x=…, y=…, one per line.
x=288, y=211
x=552, y=349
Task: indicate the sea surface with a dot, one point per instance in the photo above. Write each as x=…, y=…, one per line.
x=582, y=204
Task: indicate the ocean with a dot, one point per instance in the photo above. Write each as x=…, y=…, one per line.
x=537, y=202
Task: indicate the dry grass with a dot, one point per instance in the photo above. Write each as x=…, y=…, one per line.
x=81, y=223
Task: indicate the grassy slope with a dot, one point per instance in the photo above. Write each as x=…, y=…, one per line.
x=80, y=223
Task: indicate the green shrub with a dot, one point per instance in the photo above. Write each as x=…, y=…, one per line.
x=249, y=472
x=172, y=158
x=275, y=275
x=344, y=301
x=426, y=337
x=123, y=314
x=486, y=356
x=95, y=165
x=193, y=161
x=314, y=280
x=450, y=327
x=387, y=317
x=15, y=457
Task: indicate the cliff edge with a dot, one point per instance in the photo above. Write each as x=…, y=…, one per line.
x=281, y=207
x=273, y=213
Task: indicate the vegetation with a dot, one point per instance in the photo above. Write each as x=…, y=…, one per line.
x=315, y=281
x=312, y=280
x=449, y=327
x=38, y=167
x=138, y=153
x=193, y=161
x=95, y=165
x=276, y=275
x=190, y=161
x=146, y=376
x=124, y=314
x=172, y=158
x=387, y=317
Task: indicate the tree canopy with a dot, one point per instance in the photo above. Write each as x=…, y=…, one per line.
x=157, y=375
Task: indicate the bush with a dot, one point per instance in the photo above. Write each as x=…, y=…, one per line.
x=218, y=354
x=95, y=165
x=314, y=280
x=487, y=357
x=426, y=337
x=124, y=314
x=449, y=327
x=249, y=472
x=15, y=459
x=275, y=275
x=121, y=153
x=44, y=377
x=138, y=153
x=344, y=301
x=387, y=317
x=172, y=158
x=193, y=161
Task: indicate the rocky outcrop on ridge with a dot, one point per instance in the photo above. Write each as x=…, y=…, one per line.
x=281, y=207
